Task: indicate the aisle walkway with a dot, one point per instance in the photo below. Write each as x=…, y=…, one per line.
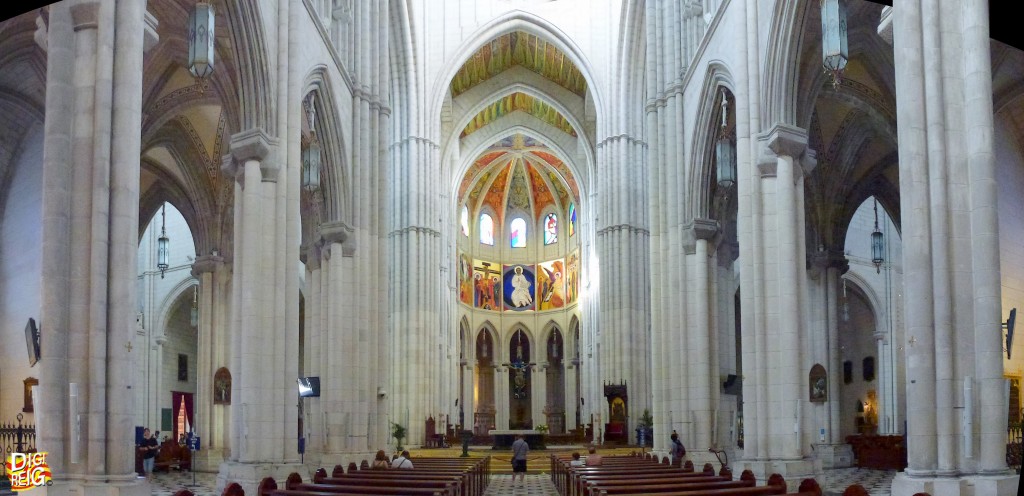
x=534, y=485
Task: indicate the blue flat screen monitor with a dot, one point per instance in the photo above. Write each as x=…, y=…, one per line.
x=309, y=387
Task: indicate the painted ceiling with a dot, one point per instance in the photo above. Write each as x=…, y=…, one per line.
x=518, y=173
x=523, y=49
x=519, y=102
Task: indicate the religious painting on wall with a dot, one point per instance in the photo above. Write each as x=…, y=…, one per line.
x=818, y=382
x=222, y=387
x=486, y=285
x=551, y=285
x=572, y=278
x=465, y=280
x=519, y=287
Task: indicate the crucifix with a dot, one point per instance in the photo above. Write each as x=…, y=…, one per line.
x=519, y=366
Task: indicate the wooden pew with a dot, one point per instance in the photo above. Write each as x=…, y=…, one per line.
x=570, y=480
x=470, y=477
x=627, y=483
x=776, y=486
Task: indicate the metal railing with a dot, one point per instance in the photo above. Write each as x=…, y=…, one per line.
x=1014, y=434
x=16, y=438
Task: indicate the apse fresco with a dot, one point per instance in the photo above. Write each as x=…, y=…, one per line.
x=486, y=285
x=551, y=285
x=465, y=280
x=572, y=278
x=519, y=287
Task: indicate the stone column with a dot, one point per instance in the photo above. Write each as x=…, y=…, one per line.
x=699, y=334
x=832, y=274
x=788, y=144
x=466, y=404
x=539, y=393
x=263, y=439
x=206, y=423
x=56, y=251
x=313, y=353
x=944, y=110
x=501, y=398
x=571, y=400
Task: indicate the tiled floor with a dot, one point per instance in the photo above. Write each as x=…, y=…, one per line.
x=877, y=482
x=534, y=485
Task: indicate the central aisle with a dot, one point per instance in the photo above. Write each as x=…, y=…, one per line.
x=534, y=485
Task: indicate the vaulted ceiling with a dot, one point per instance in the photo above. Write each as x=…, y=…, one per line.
x=518, y=173
x=523, y=49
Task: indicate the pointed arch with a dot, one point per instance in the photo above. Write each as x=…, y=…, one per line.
x=255, y=83
x=515, y=20
x=334, y=185
x=702, y=151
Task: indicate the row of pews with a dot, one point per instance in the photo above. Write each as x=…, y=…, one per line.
x=431, y=477
x=645, y=475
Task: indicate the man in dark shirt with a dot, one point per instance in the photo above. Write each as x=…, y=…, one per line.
x=519, y=451
x=149, y=448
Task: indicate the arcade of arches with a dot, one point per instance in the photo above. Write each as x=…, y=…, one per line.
x=522, y=217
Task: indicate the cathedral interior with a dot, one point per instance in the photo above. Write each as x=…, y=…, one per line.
x=775, y=227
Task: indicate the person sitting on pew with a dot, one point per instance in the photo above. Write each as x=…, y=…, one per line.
x=593, y=459
x=381, y=461
x=402, y=461
x=576, y=462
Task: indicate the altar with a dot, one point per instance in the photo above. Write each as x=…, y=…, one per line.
x=503, y=439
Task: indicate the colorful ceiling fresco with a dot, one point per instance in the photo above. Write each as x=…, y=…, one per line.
x=519, y=173
x=519, y=102
x=522, y=49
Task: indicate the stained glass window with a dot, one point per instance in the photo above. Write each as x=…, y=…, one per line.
x=572, y=219
x=518, y=233
x=550, y=229
x=486, y=230
x=465, y=221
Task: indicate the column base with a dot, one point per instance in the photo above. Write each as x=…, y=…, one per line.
x=964, y=485
x=208, y=460
x=249, y=475
x=834, y=455
x=794, y=471
x=127, y=485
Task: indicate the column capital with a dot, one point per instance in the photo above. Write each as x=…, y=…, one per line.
x=85, y=15
x=784, y=139
x=338, y=232
x=310, y=254
x=255, y=144
x=206, y=263
x=703, y=228
x=696, y=229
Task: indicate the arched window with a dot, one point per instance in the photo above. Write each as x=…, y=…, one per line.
x=518, y=233
x=465, y=221
x=572, y=219
x=486, y=230
x=550, y=229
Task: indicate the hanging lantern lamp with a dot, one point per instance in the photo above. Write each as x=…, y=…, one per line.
x=311, y=153
x=725, y=150
x=200, y=40
x=877, y=244
x=834, y=50
x=163, y=243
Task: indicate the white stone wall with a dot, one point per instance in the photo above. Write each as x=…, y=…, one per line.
x=20, y=271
